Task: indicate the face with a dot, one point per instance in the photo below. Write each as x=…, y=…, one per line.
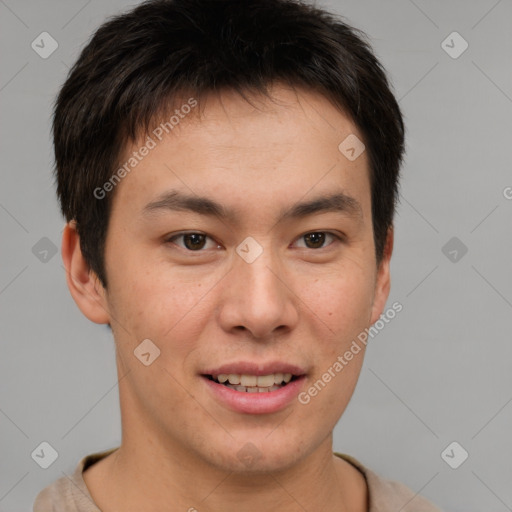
x=268, y=268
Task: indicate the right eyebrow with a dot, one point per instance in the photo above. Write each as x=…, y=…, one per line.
x=177, y=201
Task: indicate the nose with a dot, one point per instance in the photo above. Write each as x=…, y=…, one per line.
x=258, y=298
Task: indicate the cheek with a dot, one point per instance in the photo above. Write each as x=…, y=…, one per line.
x=157, y=302
x=342, y=300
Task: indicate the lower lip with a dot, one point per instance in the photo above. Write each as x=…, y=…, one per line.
x=256, y=403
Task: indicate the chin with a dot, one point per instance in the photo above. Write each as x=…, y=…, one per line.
x=259, y=454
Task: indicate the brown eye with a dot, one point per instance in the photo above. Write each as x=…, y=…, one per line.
x=194, y=241
x=314, y=240
x=318, y=240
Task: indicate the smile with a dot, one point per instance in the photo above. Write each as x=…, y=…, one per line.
x=253, y=383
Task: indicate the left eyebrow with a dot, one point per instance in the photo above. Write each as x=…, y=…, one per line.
x=337, y=203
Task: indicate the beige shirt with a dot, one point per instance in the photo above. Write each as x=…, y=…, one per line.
x=70, y=494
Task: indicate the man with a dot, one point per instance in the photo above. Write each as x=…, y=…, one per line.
x=228, y=171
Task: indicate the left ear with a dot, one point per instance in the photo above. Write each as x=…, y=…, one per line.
x=383, y=281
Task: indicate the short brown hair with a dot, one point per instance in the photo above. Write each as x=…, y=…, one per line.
x=137, y=64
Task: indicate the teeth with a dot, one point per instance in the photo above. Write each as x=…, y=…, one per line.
x=265, y=381
x=278, y=378
x=254, y=389
x=248, y=380
x=254, y=382
x=234, y=379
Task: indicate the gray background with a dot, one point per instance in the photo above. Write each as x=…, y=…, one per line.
x=439, y=372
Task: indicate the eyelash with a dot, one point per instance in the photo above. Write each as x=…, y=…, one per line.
x=180, y=235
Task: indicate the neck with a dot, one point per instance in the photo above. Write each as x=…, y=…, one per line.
x=154, y=472
x=147, y=477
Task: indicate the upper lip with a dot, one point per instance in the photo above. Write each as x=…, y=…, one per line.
x=251, y=368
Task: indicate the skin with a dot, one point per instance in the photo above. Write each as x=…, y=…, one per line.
x=297, y=302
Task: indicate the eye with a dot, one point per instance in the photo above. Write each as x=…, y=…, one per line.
x=192, y=241
x=316, y=240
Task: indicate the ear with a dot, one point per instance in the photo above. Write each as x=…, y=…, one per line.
x=84, y=285
x=383, y=281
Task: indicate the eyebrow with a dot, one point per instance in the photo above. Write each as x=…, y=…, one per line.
x=177, y=201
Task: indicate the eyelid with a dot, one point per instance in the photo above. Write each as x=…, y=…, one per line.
x=339, y=237
x=170, y=239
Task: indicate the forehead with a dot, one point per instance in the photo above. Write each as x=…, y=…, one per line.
x=274, y=148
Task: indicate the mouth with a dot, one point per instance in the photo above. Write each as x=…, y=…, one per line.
x=253, y=383
x=248, y=387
